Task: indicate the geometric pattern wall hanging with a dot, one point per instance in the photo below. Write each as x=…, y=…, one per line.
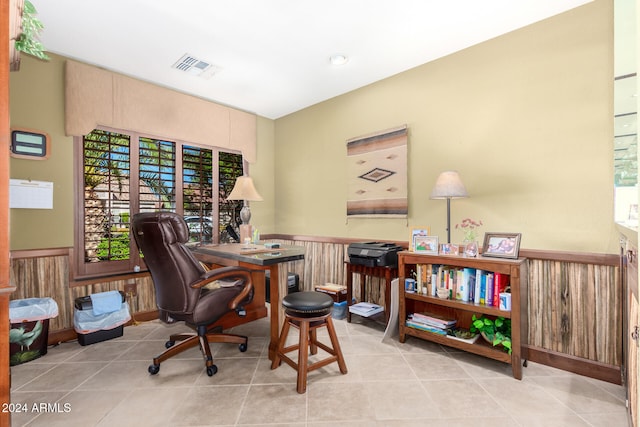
x=377, y=175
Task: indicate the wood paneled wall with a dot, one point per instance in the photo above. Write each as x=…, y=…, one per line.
x=324, y=263
x=576, y=309
x=48, y=276
x=575, y=300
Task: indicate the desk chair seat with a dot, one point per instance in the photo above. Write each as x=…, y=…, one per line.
x=308, y=311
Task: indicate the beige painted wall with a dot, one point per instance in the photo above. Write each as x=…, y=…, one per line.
x=37, y=102
x=263, y=213
x=525, y=118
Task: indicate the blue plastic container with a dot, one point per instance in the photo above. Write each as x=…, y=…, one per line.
x=339, y=310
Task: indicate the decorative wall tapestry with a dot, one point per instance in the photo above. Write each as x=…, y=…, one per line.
x=377, y=175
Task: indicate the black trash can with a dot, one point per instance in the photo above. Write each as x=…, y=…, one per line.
x=92, y=328
x=29, y=333
x=293, y=284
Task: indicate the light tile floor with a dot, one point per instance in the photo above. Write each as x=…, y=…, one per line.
x=389, y=384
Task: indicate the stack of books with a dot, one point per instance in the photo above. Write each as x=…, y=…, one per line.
x=365, y=309
x=430, y=323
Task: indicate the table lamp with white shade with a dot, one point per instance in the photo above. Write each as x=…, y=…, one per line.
x=245, y=190
x=449, y=186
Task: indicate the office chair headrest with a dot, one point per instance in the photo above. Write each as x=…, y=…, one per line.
x=175, y=227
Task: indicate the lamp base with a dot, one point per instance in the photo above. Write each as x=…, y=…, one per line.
x=245, y=213
x=246, y=232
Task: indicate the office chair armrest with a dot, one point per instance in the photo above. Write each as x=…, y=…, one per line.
x=228, y=272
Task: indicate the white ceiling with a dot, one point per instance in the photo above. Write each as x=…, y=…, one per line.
x=273, y=55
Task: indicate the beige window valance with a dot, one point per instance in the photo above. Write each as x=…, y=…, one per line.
x=96, y=97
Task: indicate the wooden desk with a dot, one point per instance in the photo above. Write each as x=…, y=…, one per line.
x=259, y=259
x=387, y=273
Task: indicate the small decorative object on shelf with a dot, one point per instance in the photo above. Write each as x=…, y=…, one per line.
x=463, y=335
x=471, y=248
x=443, y=293
x=501, y=245
x=449, y=249
x=425, y=244
x=469, y=227
x=418, y=232
x=410, y=285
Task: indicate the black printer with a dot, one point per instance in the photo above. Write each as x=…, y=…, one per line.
x=374, y=254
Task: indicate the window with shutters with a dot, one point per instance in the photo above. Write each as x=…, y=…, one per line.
x=121, y=173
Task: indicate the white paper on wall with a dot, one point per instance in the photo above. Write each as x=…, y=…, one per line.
x=27, y=194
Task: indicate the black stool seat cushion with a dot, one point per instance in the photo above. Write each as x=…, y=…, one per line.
x=308, y=303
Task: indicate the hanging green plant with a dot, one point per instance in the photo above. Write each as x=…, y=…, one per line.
x=27, y=41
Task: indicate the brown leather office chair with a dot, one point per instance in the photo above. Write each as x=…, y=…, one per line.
x=185, y=291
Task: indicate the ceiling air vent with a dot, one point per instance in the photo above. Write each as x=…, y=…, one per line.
x=196, y=67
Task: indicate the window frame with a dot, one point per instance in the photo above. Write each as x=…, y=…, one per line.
x=82, y=270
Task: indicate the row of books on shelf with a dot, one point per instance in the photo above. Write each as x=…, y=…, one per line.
x=463, y=284
x=440, y=325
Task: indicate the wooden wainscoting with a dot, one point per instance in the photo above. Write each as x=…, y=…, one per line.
x=325, y=263
x=574, y=302
x=574, y=299
x=575, y=317
x=576, y=308
x=45, y=273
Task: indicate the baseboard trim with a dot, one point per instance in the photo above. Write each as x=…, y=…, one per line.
x=577, y=365
x=69, y=334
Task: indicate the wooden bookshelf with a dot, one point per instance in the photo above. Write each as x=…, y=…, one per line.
x=462, y=311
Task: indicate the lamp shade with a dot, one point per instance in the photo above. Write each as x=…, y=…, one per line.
x=244, y=190
x=449, y=186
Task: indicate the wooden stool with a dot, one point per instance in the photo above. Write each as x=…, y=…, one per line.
x=308, y=311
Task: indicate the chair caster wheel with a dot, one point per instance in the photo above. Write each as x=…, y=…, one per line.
x=242, y=347
x=169, y=344
x=211, y=370
x=154, y=369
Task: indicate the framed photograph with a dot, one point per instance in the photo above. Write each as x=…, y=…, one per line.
x=418, y=231
x=426, y=245
x=501, y=245
x=449, y=249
